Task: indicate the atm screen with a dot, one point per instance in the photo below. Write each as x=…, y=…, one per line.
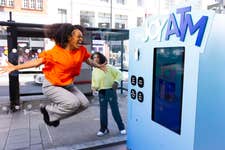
x=167, y=88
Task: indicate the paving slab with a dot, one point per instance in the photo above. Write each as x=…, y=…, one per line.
x=25, y=128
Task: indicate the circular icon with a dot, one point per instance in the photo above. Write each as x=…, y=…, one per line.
x=141, y=82
x=133, y=94
x=133, y=80
x=140, y=97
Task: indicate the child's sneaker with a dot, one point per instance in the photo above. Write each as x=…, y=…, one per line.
x=123, y=132
x=100, y=133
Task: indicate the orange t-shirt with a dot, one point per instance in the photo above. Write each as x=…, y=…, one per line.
x=61, y=66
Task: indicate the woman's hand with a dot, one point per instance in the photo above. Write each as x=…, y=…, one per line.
x=9, y=68
x=29, y=64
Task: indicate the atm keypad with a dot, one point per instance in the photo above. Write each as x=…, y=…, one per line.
x=140, y=96
x=133, y=80
x=141, y=82
x=133, y=94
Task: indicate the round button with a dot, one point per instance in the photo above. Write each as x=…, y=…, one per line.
x=133, y=80
x=140, y=97
x=133, y=94
x=141, y=82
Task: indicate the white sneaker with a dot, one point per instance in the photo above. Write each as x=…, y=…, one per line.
x=123, y=132
x=100, y=133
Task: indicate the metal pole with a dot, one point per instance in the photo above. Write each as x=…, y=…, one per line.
x=122, y=51
x=13, y=58
x=10, y=16
x=111, y=14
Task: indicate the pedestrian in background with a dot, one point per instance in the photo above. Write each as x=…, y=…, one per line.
x=62, y=64
x=106, y=83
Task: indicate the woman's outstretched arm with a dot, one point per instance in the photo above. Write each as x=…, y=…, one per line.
x=29, y=64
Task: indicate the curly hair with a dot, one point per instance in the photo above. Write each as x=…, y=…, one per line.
x=79, y=27
x=102, y=58
x=60, y=32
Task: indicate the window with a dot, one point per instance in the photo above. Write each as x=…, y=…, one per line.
x=7, y=3
x=103, y=25
x=33, y=4
x=3, y=33
x=25, y=3
x=121, y=1
x=87, y=18
x=3, y=2
x=39, y=4
x=63, y=15
x=139, y=2
x=36, y=39
x=104, y=20
x=139, y=21
x=121, y=21
x=119, y=25
x=10, y=3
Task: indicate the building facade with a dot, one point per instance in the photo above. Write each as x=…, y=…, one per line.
x=118, y=14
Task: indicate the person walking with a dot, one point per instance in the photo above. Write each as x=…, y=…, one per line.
x=106, y=83
x=62, y=64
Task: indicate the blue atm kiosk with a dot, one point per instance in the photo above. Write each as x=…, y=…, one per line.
x=177, y=82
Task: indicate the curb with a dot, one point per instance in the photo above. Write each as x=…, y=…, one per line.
x=6, y=99
x=93, y=145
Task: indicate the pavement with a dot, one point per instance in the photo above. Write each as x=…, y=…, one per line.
x=25, y=129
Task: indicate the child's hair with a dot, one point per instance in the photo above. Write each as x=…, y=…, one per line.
x=102, y=58
x=60, y=32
